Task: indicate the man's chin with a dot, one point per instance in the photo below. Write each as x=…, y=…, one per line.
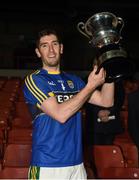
x=53, y=64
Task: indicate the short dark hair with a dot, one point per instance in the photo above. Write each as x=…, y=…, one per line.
x=47, y=31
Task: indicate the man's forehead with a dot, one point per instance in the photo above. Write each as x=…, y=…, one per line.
x=50, y=37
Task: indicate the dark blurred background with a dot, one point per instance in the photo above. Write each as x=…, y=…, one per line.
x=20, y=21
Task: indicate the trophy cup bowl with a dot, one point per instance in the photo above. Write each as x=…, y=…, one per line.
x=104, y=33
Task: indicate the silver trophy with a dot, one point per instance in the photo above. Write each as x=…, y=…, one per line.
x=104, y=33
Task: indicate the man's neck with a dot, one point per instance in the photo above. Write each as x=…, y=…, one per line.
x=52, y=69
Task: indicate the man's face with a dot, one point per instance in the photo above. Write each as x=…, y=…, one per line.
x=49, y=51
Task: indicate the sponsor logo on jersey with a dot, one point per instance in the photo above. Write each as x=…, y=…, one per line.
x=64, y=97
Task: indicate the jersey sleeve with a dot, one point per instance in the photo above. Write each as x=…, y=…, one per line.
x=36, y=90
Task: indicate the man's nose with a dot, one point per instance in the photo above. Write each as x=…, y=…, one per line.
x=51, y=49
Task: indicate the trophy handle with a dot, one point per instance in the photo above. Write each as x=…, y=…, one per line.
x=81, y=29
x=120, y=24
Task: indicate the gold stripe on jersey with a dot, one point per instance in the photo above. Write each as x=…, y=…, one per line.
x=51, y=94
x=34, y=89
x=38, y=105
x=28, y=85
x=37, y=89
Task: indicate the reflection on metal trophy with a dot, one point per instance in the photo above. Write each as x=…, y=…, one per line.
x=104, y=32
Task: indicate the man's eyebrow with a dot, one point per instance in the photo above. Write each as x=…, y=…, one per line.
x=56, y=41
x=43, y=43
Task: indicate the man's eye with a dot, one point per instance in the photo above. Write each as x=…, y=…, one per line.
x=45, y=45
x=56, y=43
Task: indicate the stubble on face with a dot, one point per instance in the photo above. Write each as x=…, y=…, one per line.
x=51, y=62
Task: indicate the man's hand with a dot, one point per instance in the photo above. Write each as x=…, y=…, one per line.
x=103, y=115
x=96, y=79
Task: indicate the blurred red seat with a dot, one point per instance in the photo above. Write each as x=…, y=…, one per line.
x=19, y=136
x=119, y=173
x=17, y=155
x=22, y=111
x=107, y=156
x=19, y=122
x=14, y=173
x=130, y=152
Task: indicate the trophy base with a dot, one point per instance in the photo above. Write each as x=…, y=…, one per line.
x=117, y=68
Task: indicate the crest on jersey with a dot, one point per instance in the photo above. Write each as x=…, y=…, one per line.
x=70, y=84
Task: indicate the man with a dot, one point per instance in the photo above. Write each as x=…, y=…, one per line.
x=102, y=123
x=55, y=99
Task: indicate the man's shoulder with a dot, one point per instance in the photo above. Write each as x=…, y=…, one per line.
x=35, y=73
x=34, y=76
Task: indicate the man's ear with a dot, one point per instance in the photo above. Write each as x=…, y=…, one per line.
x=37, y=52
x=61, y=48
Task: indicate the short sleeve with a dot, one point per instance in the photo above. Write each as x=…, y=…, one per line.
x=36, y=89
